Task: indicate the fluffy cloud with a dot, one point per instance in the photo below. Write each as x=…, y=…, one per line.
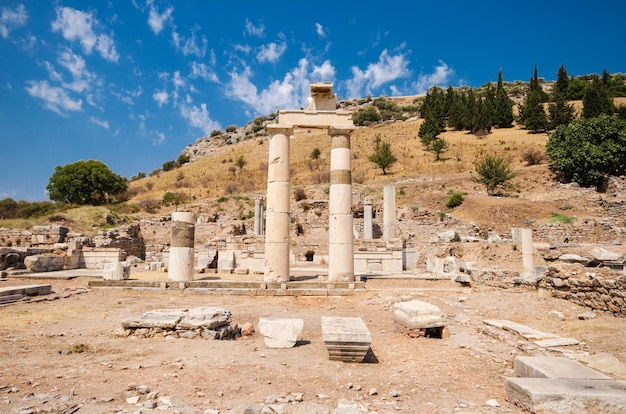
x=12, y=19
x=271, y=52
x=82, y=78
x=103, y=124
x=290, y=92
x=198, y=117
x=319, y=29
x=200, y=70
x=157, y=20
x=324, y=73
x=161, y=97
x=441, y=77
x=387, y=69
x=190, y=46
x=77, y=25
x=54, y=98
x=252, y=30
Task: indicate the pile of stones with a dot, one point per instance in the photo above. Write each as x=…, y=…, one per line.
x=204, y=322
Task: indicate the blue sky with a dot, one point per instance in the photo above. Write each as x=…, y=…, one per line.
x=131, y=83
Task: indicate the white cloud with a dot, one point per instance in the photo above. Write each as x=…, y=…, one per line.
x=157, y=20
x=271, y=52
x=161, y=97
x=160, y=138
x=319, y=29
x=178, y=80
x=200, y=70
x=12, y=19
x=83, y=79
x=387, y=69
x=291, y=92
x=103, y=124
x=252, y=30
x=189, y=46
x=324, y=73
x=243, y=48
x=55, y=98
x=77, y=25
x=198, y=117
x=441, y=77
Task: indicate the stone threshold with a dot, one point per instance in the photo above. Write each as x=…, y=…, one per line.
x=243, y=288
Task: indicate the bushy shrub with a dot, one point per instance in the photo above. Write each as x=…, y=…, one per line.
x=365, y=115
x=455, y=199
x=493, y=171
x=299, y=194
x=231, y=128
x=533, y=156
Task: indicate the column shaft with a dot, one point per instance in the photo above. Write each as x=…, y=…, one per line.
x=180, y=267
x=340, y=226
x=277, y=215
x=368, y=225
x=389, y=212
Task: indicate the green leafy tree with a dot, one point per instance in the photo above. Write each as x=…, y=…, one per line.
x=241, y=162
x=589, y=150
x=182, y=159
x=596, y=100
x=366, y=115
x=429, y=130
x=481, y=122
x=169, y=165
x=560, y=111
x=503, y=111
x=456, y=112
x=383, y=156
x=493, y=171
x=438, y=146
x=85, y=182
x=576, y=88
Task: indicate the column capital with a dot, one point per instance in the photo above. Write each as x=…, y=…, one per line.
x=279, y=129
x=340, y=130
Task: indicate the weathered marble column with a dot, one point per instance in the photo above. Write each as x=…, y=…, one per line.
x=368, y=225
x=527, y=252
x=181, y=247
x=340, y=228
x=258, y=215
x=278, y=205
x=389, y=212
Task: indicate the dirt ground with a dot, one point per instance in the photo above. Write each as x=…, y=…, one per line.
x=43, y=369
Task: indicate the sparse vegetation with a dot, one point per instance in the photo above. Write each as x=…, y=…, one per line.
x=493, y=172
x=562, y=218
x=455, y=199
x=383, y=156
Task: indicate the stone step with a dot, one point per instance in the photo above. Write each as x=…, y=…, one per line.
x=522, y=330
x=567, y=396
x=27, y=290
x=554, y=367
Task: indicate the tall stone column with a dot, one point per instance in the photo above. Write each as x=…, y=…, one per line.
x=389, y=212
x=368, y=217
x=340, y=229
x=258, y=216
x=527, y=252
x=181, y=247
x=277, y=214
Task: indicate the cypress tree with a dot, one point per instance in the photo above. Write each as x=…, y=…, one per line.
x=503, y=106
x=456, y=113
x=481, y=123
x=532, y=114
x=560, y=111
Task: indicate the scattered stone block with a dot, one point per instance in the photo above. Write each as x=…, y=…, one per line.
x=606, y=363
x=116, y=271
x=549, y=343
x=554, y=367
x=573, y=396
x=281, y=333
x=416, y=314
x=204, y=317
x=522, y=330
x=346, y=339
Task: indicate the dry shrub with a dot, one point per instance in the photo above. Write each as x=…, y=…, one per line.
x=358, y=177
x=150, y=205
x=231, y=188
x=299, y=194
x=533, y=156
x=321, y=177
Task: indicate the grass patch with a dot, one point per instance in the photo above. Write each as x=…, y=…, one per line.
x=562, y=218
x=74, y=349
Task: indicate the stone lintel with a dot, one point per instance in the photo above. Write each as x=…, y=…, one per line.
x=315, y=119
x=280, y=128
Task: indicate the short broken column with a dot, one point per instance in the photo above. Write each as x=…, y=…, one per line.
x=340, y=223
x=368, y=219
x=389, y=212
x=258, y=216
x=278, y=211
x=527, y=252
x=116, y=271
x=346, y=339
x=182, y=247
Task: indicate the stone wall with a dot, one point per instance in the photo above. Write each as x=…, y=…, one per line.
x=601, y=290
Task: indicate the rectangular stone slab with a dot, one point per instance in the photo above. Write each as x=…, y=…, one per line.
x=206, y=317
x=28, y=290
x=158, y=318
x=416, y=314
x=567, y=396
x=548, y=343
x=522, y=330
x=554, y=367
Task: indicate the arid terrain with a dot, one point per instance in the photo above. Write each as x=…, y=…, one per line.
x=66, y=355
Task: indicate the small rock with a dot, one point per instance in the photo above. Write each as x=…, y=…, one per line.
x=373, y=391
x=211, y=411
x=298, y=397
x=143, y=389
x=394, y=393
x=554, y=314
x=349, y=385
x=150, y=404
x=587, y=315
x=492, y=403
x=247, y=329
x=133, y=399
x=462, y=299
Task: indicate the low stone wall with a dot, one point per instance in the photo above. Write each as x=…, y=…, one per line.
x=601, y=290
